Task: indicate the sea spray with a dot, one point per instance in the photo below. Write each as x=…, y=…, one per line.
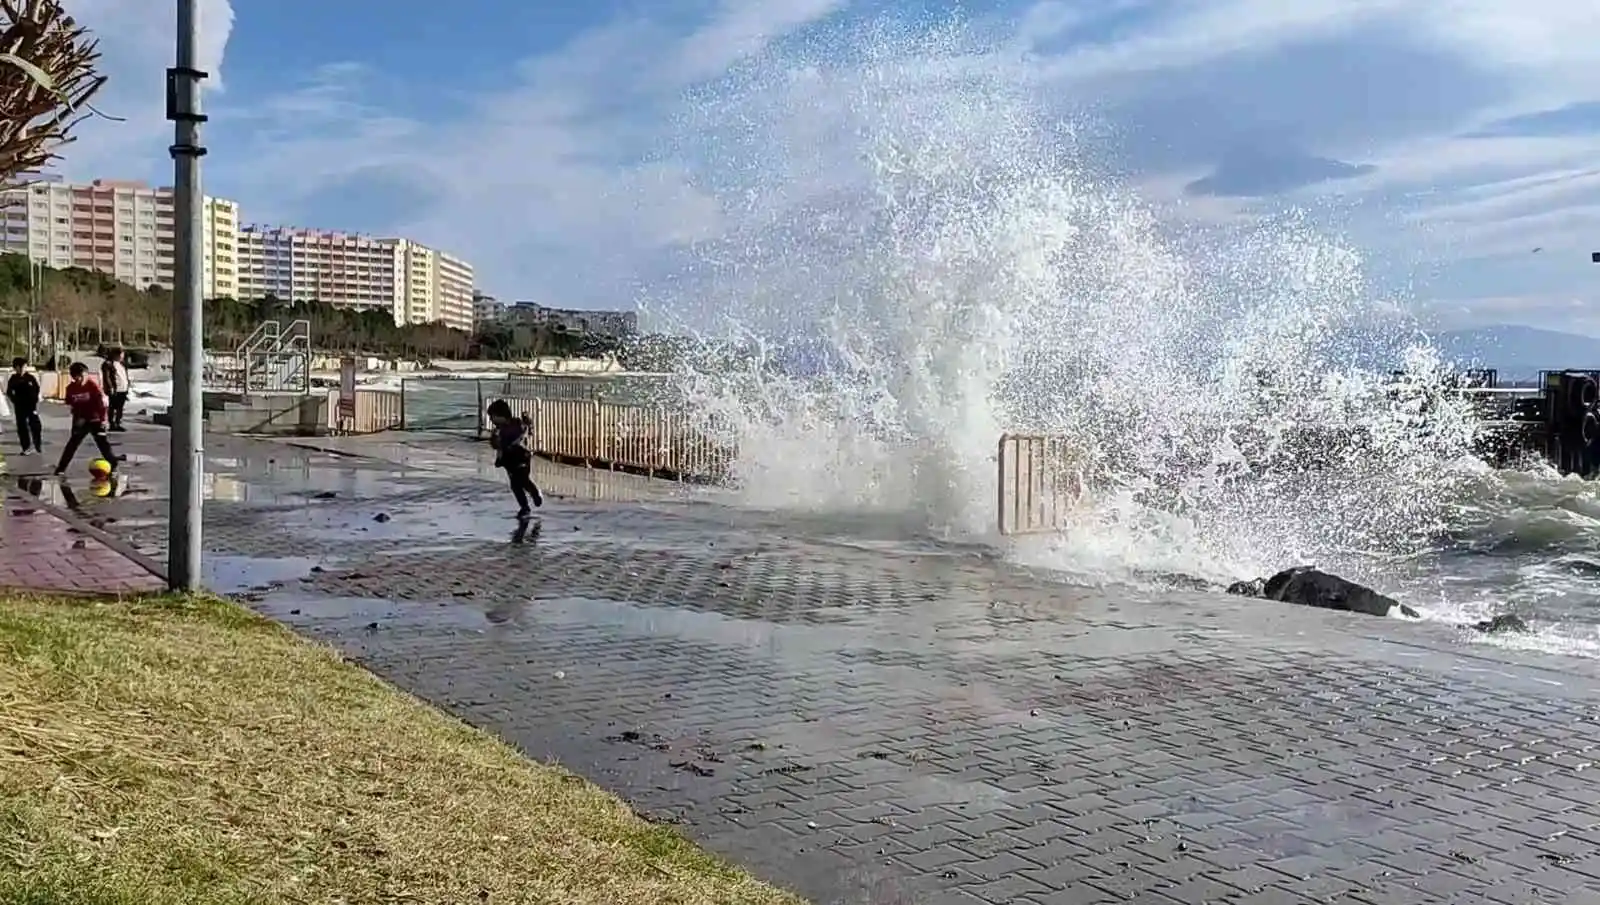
x=916, y=206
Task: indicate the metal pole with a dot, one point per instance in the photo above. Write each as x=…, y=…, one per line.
x=187, y=456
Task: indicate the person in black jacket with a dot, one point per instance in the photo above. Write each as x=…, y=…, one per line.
x=22, y=391
x=510, y=441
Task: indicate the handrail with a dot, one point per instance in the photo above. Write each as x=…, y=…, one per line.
x=266, y=331
x=276, y=358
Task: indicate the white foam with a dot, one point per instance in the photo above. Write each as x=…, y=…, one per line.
x=922, y=212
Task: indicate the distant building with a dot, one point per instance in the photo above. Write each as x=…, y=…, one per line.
x=121, y=228
x=608, y=324
x=126, y=230
x=415, y=284
x=486, y=309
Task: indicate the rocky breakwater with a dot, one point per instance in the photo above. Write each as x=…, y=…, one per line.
x=1307, y=586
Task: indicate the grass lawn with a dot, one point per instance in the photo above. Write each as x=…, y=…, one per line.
x=188, y=751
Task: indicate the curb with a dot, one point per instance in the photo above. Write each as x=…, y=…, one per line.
x=78, y=523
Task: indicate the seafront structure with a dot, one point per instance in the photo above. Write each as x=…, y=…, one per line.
x=415, y=284
x=121, y=228
x=609, y=324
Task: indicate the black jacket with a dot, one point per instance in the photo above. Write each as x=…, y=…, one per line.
x=23, y=391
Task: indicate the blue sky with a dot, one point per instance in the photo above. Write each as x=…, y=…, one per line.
x=577, y=152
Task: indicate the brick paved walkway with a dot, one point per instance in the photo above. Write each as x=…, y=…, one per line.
x=877, y=728
x=41, y=552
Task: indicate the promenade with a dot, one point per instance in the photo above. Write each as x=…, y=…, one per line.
x=868, y=722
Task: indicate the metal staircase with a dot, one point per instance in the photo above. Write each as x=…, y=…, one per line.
x=274, y=358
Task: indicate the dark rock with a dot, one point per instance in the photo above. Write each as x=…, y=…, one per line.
x=326, y=495
x=1313, y=587
x=1505, y=622
x=1252, y=588
x=381, y=517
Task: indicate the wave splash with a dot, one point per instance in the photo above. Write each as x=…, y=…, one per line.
x=913, y=212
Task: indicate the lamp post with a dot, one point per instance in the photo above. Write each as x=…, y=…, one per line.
x=187, y=456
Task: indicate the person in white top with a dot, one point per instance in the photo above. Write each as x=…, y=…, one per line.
x=114, y=378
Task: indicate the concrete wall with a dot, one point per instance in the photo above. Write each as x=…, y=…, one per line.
x=282, y=416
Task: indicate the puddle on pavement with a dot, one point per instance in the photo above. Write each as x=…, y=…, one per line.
x=435, y=524
x=292, y=607
x=235, y=574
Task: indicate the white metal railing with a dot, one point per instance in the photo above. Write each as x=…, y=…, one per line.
x=1041, y=482
x=374, y=411
x=639, y=438
x=274, y=358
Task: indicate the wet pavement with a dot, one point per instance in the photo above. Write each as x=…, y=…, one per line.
x=40, y=551
x=924, y=725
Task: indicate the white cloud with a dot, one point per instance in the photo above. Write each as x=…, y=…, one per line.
x=742, y=29
x=138, y=44
x=1548, y=45
x=567, y=182
x=1201, y=32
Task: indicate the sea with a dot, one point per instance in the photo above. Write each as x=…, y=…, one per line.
x=963, y=257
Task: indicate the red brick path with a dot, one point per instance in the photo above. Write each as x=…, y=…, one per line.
x=40, y=552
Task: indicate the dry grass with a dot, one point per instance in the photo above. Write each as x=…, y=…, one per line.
x=190, y=752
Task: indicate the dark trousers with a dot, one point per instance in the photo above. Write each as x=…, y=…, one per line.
x=81, y=429
x=521, y=475
x=28, y=429
x=118, y=402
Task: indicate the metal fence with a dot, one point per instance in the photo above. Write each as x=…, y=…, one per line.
x=1041, y=476
x=375, y=411
x=621, y=389
x=1041, y=482
x=569, y=423
x=455, y=404
x=643, y=439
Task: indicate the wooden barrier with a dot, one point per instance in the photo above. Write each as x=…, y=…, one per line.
x=1041, y=482
x=636, y=438
x=375, y=411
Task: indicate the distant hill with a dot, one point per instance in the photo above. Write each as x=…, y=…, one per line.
x=1520, y=351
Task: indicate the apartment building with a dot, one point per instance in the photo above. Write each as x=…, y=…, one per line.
x=413, y=283
x=486, y=309
x=124, y=229
x=219, y=232
x=608, y=324
x=453, y=292
x=303, y=265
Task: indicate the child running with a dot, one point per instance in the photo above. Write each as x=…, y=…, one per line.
x=510, y=441
x=88, y=405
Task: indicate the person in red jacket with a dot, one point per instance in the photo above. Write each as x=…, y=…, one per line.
x=88, y=405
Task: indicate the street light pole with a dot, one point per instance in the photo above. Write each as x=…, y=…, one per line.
x=187, y=456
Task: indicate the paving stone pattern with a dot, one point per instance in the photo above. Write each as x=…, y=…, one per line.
x=41, y=552
x=872, y=728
